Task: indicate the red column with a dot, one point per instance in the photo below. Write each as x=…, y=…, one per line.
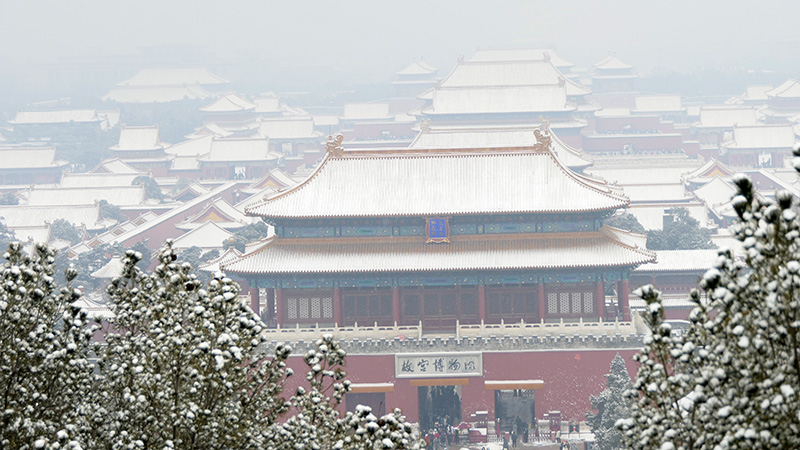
x=254, y=301
x=337, y=306
x=396, y=305
x=279, y=306
x=600, y=298
x=482, y=303
x=542, y=302
x=622, y=295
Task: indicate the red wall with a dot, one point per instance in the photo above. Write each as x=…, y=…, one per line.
x=570, y=378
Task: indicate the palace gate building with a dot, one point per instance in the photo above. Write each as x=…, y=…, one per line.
x=484, y=270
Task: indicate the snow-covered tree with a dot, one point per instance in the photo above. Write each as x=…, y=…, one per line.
x=45, y=343
x=732, y=380
x=317, y=423
x=611, y=405
x=182, y=365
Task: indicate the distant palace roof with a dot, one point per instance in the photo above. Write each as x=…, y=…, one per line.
x=418, y=68
x=139, y=139
x=762, y=136
x=229, y=103
x=412, y=254
x=173, y=77
x=29, y=158
x=510, y=73
x=415, y=183
x=54, y=117
x=521, y=54
x=726, y=116
x=612, y=63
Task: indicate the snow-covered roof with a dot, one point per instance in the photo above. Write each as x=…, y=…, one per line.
x=276, y=179
x=36, y=234
x=239, y=149
x=193, y=147
x=112, y=269
x=55, y=117
x=425, y=183
x=111, y=116
x=296, y=128
x=116, y=195
x=520, y=54
x=366, y=111
x=717, y=195
x=726, y=116
x=267, y=104
x=28, y=216
x=494, y=138
x=681, y=261
x=612, y=63
x=156, y=94
x=658, y=103
x=229, y=103
x=789, y=89
x=779, y=136
x=418, y=68
x=639, y=173
x=209, y=129
x=510, y=73
x=220, y=212
x=412, y=254
x=29, y=158
x=207, y=236
x=115, y=165
x=711, y=169
x=505, y=99
x=139, y=139
x=656, y=193
x=756, y=93
x=215, y=265
x=173, y=77
x=99, y=180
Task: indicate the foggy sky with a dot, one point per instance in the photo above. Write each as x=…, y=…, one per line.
x=388, y=35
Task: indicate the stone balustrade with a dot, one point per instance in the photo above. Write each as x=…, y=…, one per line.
x=519, y=336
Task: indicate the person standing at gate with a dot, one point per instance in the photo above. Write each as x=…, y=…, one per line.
x=514, y=438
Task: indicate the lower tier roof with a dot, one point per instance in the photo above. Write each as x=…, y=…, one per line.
x=464, y=253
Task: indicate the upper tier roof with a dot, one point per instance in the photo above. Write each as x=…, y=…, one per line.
x=173, y=77
x=521, y=54
x=612, y=63
x=418, y=68
x=417, y=184
x=494, y=138
x=510, y=73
